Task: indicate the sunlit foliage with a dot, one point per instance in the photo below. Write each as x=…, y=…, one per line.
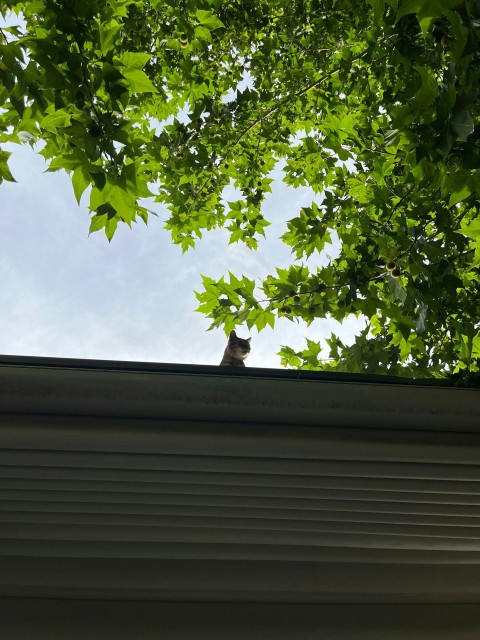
x=373, y=104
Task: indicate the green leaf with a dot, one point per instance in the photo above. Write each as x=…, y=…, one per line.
x=57, y=120
x=203, y=33
x=134, y=60
x=5, y=173
x=460, y=187
x=80, y=181
x=208, y=19
x=122, y=201
x=264, y=317
x=463, y=124
x=67, y=162
x=428, y=90
x=110, y=228
x=425, y=8
x=171, y=43
x=111, y=73
x=378, y=7
x=476, y=346
x=137, y=81
x=405, y=346
x=98, y=222
x=108, y=36
x=472, y=229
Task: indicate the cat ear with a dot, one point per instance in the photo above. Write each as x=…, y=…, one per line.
x=248, y=340
x=232, y=334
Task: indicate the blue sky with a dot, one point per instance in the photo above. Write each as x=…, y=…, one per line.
x=66, y=294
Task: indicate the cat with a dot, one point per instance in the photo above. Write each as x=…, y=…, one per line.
x=236, y=352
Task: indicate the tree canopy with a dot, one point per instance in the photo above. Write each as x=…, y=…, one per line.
x=374, y=104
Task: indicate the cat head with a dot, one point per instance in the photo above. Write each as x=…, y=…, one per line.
x=239, y=347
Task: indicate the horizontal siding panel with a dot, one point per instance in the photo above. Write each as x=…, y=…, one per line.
x=25, y=511
x=13, y=549
x=217, y=507
x=237, y=491
x=236, y=440
x=85, y=474
x=346, y=468
x=257, y=524
x=179, y=535
x=325, y=502
x=366, y=504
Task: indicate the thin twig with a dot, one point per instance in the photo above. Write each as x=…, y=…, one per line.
x=276, y=107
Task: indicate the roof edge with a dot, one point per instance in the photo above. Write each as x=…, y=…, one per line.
x=86, y=364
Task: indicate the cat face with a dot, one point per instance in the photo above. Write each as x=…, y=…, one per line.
x=239, y=347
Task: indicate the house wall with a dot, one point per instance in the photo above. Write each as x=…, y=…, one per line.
x=192, y=503
x=24, y=619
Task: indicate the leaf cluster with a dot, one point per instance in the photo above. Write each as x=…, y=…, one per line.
x=373, y=105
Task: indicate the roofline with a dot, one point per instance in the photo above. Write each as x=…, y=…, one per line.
x=158, y=391
x=87, y=364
